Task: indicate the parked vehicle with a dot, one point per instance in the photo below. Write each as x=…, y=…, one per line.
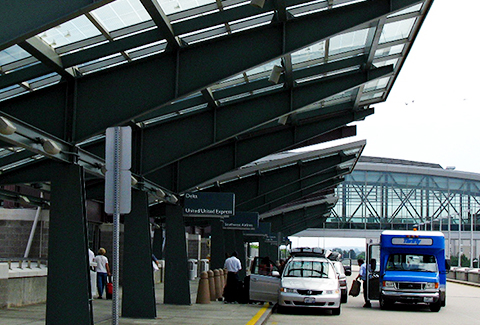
x=412, y=269
x=309, y=279
x=342, y=279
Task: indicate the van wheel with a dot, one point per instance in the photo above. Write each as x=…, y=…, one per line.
x=435, y=307
x=336, y=311
x=384, y=304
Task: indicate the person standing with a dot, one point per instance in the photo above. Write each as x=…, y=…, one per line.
x=93, y=276
x=233, y=265
x=363, y=276
x=103, y=271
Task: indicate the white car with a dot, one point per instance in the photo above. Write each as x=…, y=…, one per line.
x=307, y=281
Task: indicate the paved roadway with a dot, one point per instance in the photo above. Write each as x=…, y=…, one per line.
x=463, y=308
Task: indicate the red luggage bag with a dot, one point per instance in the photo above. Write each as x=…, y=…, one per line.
x=109, y=289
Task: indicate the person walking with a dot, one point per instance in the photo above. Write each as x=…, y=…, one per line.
x=363, y=276
x=103, y=271
x=232, y=288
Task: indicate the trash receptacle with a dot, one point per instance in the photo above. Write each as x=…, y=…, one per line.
x=475, y=263
x=192, y=268
x=204, y=265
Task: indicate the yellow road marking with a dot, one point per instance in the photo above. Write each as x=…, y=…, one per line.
x=258, y=315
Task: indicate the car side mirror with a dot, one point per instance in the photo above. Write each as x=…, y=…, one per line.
x=276, y=273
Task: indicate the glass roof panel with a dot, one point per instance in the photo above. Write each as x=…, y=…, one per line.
x=262, y=69
x=397, y=30
x=120, y=14
x=313, y=52
x=172, y=6
x=12, y=54
x=348, y=41
x=387, y=62
x=397, y=49
x=372, y=95
x=71, y=31
x=376, y=84
x=415, y=8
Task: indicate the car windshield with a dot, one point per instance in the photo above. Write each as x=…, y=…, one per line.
x=412, y=262
x=309, y=269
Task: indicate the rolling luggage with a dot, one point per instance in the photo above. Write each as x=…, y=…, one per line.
x=109, y=289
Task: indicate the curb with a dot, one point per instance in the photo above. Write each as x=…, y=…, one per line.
x=262, y=316
x=472, y=284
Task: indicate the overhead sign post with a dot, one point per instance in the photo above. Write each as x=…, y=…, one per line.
x=209, y=204
x=118, y=193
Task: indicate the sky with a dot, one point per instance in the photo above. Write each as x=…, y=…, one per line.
x=432, y=114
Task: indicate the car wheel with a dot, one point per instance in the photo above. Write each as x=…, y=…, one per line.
x=336, y=311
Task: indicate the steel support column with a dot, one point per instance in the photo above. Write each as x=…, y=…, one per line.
x=177, y=287
x=68, y=282
x=138, y=296
x=218, y=245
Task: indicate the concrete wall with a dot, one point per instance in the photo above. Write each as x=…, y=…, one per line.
x=22, y=286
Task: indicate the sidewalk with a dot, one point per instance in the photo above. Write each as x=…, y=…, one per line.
x=215, y=313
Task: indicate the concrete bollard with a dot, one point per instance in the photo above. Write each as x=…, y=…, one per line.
x=211, y=285
x=203, y=293
x=222, y=279
x=225, y=273
x=218, y=284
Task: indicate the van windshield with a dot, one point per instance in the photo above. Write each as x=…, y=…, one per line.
x=309, y=269
x=412, y=262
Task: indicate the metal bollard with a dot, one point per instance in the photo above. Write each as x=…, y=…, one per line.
x=211, y=284
x=203, y=293
x=218, y=284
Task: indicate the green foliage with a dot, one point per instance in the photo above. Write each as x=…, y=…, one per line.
x=465, y=261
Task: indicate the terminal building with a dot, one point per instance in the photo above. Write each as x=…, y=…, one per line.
x=384, y=193
x=114, y=112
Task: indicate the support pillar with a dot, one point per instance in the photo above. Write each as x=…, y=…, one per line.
x=158, y=243
x=68, y=281
x=240, y=248
x=177, y=286
x=218, y=245
x=138, y=296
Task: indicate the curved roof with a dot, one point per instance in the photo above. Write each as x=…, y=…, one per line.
x=198, y=81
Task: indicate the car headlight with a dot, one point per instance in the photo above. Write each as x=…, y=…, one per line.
x=431, y=285
x=331, y=292
x=389, y=284
x=288, y=290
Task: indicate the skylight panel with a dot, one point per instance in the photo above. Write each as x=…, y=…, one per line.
x=71, y=31
x=348, y=41
x=120, y=14
x=397, y=30
x=313, y=52
x=172, y=6
x=12, y=54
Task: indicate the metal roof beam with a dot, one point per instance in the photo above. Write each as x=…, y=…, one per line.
x=162, y=21
x=213, y=127
x=187, y=173
x=297, y=191
x=21, y=21
x=45, y=54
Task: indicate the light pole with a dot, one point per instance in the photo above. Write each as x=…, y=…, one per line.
x=459, y=239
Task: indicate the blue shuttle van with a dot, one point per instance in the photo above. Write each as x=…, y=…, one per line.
x=408, y=267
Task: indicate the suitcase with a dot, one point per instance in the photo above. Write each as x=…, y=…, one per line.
x=109, y=290
x=355, y=289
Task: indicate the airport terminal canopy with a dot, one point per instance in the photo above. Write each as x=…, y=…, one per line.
x=201, y=83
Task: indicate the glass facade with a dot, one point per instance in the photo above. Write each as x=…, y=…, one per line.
x=405, y=197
